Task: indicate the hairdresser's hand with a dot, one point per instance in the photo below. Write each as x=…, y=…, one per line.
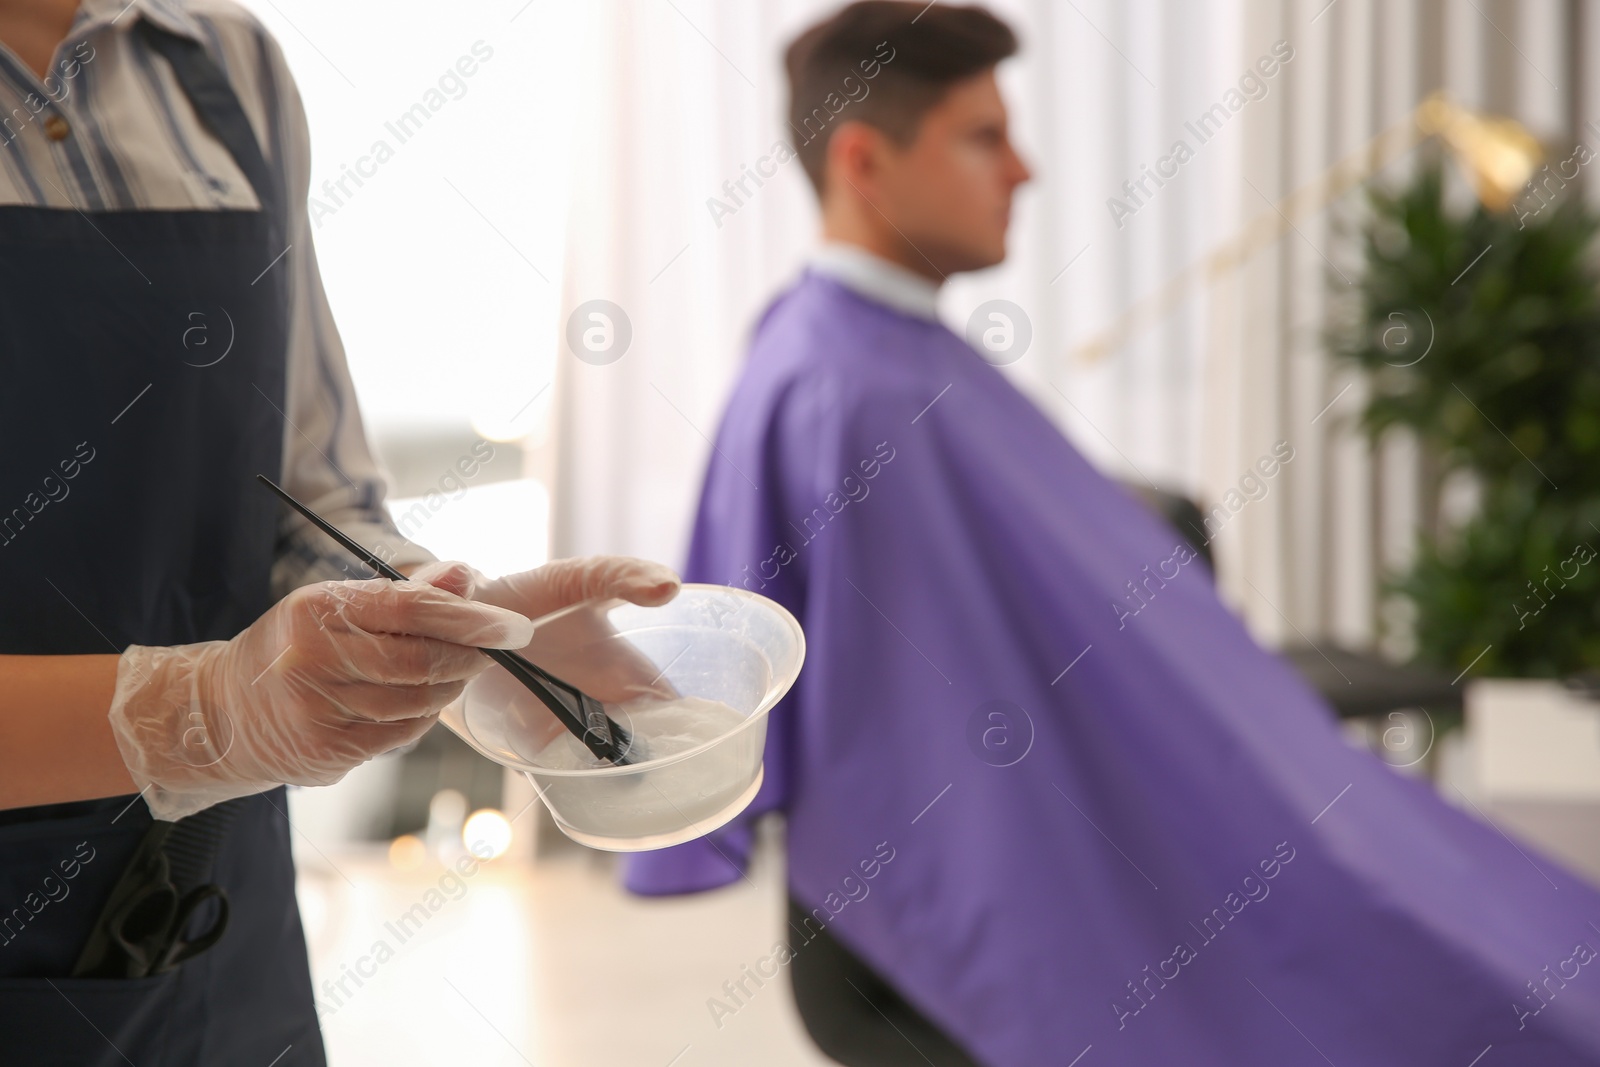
x=580, y=647
x=334, y=674
x=569, y=581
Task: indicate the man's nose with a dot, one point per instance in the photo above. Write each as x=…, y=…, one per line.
x=1018, y=171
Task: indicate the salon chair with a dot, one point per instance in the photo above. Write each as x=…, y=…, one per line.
x=1358, y=685
x=854, y=1016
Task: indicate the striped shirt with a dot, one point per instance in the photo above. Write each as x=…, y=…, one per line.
x=109, y=128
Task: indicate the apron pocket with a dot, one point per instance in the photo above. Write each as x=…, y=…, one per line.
x=55, y=877
x=85, y=1022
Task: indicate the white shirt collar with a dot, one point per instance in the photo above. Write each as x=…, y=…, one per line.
x=877, y=279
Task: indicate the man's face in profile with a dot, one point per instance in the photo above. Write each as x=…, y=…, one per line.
x=949, y=191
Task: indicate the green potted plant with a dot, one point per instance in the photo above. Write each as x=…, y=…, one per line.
x=1480, y=332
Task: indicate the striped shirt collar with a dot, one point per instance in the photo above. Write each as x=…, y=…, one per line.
x=169, y=15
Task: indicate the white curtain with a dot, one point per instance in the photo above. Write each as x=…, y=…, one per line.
x=682, y=95
x=1348, y=514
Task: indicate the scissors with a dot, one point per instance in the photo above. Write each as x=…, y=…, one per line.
x=150, y=927
x=141, y=929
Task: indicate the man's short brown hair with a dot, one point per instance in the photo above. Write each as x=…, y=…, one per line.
x=885, y=63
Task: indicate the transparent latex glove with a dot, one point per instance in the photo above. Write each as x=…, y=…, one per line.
x=580, y=647
x=330, y=676
x=569, y=581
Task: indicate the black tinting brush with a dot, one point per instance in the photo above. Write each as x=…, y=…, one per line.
x=577, y=710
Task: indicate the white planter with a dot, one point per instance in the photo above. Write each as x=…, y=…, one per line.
x=1533, y=760
x=1534, y=741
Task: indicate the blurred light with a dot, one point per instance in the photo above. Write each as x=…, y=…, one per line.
x=501, y=432
x=487, y=834
x=446, y=811
x=505, y=416
x=447, y=808
x=407, y=852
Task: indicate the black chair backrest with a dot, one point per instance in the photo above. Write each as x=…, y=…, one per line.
x=1183, y=514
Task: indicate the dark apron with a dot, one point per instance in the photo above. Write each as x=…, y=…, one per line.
x=142, y=358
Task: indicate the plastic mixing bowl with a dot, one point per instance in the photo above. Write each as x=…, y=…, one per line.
x=714, y=659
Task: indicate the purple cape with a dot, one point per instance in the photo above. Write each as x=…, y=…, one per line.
x=1112, y=820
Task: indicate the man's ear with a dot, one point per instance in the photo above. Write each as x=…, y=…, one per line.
x=855, y=157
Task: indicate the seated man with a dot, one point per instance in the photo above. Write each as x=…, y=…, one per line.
x=1038, y=779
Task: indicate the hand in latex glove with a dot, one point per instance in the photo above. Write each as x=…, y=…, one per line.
x=580, y=648
x=568, y=581
x=332, y=675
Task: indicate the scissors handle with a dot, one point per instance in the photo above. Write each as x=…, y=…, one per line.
x=180, y=948
x=142, y=926
x=149, y=928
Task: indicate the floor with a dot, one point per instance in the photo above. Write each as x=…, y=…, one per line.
x=548, y=964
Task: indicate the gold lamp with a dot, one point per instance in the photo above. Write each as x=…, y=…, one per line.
x=1498, y=154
